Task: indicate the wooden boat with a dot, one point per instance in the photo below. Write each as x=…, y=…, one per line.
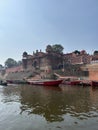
x=76, y=82
x=66, y=82
x=9, y=81
x=3, y=83
x=71, y=82
x=94, y=84
x=85, y=83
x=45, y=82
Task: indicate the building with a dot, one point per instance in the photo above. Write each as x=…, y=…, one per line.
x=44, y=61
x=78, y=58
x=70, y=62
x=92, y=68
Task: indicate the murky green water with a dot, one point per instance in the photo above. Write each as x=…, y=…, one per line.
x=48, y=108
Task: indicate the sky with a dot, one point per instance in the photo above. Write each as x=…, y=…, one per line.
x=30, y=25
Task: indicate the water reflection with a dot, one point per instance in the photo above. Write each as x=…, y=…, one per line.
x=42, y=101
x=52, y=103
x=11, y=94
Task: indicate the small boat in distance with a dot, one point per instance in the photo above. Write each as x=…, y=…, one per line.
x=3, y=83
x=16, y=81
x=46, y=82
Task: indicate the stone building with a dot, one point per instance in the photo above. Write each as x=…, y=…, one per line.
x=44, y=61
x=94, y=59
x=78, y=58
x=70, y=62
x=92, y=68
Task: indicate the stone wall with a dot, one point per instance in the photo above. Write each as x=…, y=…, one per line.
x=93, y=75
x=42, y=61
x=92, y=70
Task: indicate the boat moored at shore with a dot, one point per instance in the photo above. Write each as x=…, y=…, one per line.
x=45, y=82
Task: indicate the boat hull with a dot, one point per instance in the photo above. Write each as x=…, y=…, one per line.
x=75, y=82
x=46, y=83
x=71, y=82
x=16, y=82
x=3, y=84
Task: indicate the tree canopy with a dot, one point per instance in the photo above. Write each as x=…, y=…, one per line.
x=95, y=52
x=1, y=66
x=77, y=52
x=10, y=63
x=57, y=48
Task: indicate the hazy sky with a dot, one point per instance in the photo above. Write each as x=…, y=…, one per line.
x=28, y=25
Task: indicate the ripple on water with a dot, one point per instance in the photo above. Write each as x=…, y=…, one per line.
x=28, y=107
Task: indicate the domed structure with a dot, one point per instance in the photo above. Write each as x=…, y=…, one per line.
x=49, y=48
x=25, y=54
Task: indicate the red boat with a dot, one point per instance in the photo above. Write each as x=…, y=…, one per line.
x=94, y=84
x=45, y=82
x=77, y=82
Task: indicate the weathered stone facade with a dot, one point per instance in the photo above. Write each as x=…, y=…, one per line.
x=92, y=70
x=49, y=61
x=75, y=58
x=42, y=61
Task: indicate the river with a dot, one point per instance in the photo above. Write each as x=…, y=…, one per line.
x=26, y=107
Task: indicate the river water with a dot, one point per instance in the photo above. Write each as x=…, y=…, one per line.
x=26, y=107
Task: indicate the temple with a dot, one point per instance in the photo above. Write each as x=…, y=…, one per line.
x=42, y=61
x=44, y=64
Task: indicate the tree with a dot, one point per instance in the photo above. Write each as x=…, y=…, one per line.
x=57, y=48
x=96, y=52
x=77, y=52
x=19, y=62
x=1, y=66
x=10, y=63
x=49, y=49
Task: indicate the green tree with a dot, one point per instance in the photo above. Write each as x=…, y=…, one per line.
x=10, y=63
x=77, y=52
x=49, y=49
x=96, y=52
x=19, y=62
x=57, y=48
x=1, y=66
